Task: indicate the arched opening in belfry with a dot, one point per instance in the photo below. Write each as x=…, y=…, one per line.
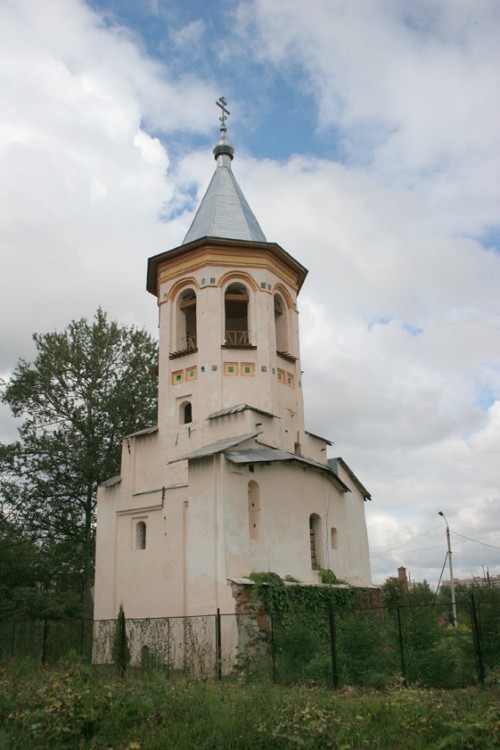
x=315, y=536
x=186, y=338
x=254, y=509
x=236, y=315
x=281, y=324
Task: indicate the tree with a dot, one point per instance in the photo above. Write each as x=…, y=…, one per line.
x=121, y=651
x=87, y=387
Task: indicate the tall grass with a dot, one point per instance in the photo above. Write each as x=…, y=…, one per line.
x=82, y=708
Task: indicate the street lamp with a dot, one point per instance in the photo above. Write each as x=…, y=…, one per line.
x=452, y=583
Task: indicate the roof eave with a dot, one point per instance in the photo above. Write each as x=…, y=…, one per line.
x=354, y=478
x=155, y=260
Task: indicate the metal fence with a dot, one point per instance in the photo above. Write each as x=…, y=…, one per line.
x=367, y=647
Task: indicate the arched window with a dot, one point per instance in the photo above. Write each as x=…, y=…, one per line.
x=315, y=541
x=281, y=324
x=185, y=412
x=186, y=339
x=140, y=535
x=254, y=509
x=236, y=315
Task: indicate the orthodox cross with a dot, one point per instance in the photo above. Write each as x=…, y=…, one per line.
x=223, y=104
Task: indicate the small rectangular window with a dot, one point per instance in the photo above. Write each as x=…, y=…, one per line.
x=333, y=537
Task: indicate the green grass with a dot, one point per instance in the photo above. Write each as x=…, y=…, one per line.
x=79, y=708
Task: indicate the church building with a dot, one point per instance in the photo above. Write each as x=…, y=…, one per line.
x=229, y=481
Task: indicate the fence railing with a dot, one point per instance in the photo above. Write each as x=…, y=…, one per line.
x=237, y=338
x=368, y=647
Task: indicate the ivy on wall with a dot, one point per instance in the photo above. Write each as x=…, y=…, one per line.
x=273, y=595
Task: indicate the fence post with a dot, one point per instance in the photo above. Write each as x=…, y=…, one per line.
x=44, y=640
x=401, y=648
x=333, y=646
x=82, y=636
x=477, y=640
x=218, y=645
x=273, y=650
x=168, y=647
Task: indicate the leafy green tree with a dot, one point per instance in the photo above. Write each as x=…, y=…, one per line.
x=121, y=651
x=87, y=387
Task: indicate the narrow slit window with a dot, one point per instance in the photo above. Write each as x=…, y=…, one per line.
x=315, y=541
x=333, y=538
x=254, y=509
x=140, y=535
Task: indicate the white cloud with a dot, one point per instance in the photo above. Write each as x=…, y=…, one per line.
x=82, y=182
x=189, y=35
x=410, y=88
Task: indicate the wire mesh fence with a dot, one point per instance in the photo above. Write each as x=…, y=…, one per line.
x=366, y=647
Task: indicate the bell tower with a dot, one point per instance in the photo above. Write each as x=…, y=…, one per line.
x=229, y=331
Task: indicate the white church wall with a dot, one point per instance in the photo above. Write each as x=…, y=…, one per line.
x=289, y=495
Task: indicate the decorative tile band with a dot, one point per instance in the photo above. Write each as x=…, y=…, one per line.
x=177, y=377
x=245, y=369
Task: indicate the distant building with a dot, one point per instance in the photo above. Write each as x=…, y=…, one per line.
x=229, y=481
x=485, y=581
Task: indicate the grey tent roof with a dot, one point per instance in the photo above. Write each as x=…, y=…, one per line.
x=218, y=447
x=224, y=211
x=229, y=410
x=267, y=454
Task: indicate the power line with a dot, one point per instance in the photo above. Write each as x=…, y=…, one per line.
x=408, y=541
x=388, y=550
x=485, y=544
x=419, y=549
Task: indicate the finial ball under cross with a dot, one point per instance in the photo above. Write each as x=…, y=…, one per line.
x=223, y=104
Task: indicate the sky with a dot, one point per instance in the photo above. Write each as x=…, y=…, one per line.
x=367, y=144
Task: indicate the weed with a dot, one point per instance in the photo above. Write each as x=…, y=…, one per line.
x=70, y=707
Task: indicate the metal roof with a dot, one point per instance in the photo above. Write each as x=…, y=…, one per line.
x=257, y=455
x=224, y=211
x=236, y=410
x=218, y=447
x=332, y=463
x=147, y=431
x=318, y=437
x=111, y=481
x=264, y=454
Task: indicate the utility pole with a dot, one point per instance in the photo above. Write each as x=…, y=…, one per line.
x=452, y=583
